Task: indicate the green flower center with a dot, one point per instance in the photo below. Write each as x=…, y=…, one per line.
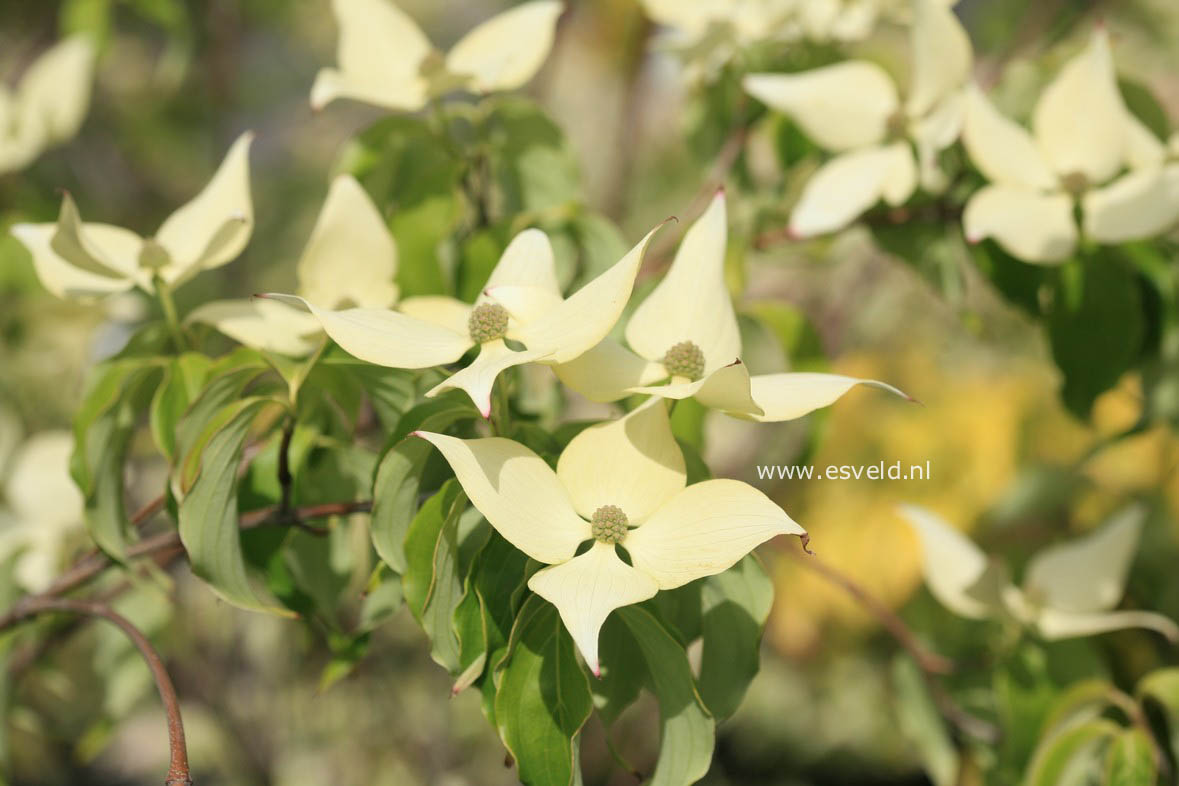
x=487, y=322
x=1076, y=183
x=608, y=524
x=685, y=359
x=897, y=125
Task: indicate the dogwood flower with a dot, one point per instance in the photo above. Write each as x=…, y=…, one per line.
x=386, y=60
x=853, y=109
x=521, y=302
x=1069, y=589
x=618, y=484
x=350, y=259
x=76, y=259
x=686, y=333
x=1082, y=137
x=48, y=105
x=43, y=508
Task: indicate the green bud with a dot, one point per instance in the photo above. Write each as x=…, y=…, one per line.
x=608, y=524
x=685, y=359
x=487, y=322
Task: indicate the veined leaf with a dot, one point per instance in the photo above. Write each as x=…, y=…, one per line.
x=736, y=605
x=688, y=732
x=1130, y=761
x=1073, y=756
x=183, y=379
x=209, y=515
x=102, y=433
x=543, y=698
x=433, y=581
x=397, y=482
x=1162, y=687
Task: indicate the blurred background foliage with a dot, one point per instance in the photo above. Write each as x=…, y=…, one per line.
x=629, y=143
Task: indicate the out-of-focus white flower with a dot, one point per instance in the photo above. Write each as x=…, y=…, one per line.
x=350, y=259
x=386, y=60
x=1069, y=589
x=1082, y=138
x=43, y=507
x=686, y=332
x=853, y=109
x=708, y=33
x=48, y=105
x=618, y=483
x=521, y=302
x=76, y=259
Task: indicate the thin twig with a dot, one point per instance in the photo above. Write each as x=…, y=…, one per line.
x=928, y=661
x=931, y=664
x=31, y=606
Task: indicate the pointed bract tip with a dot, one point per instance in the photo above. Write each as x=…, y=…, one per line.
x=794, y=234
x=597, y=671
x=419, y=434
x=485, y=411
x=805, y=538
x=973, y=240
x=668, y=220
x=262, y=295
x=916, y=401
x=737, y=362
x=720, y=190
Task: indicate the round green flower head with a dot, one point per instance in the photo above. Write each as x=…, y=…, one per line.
x=685, y=359
x=608, y=524
x=487, y=322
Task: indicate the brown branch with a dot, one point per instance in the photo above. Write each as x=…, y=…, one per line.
x=34, y=605
x=931, y=664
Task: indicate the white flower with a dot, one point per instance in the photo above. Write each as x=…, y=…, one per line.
x=44, y=507
x=386, y=60
x=521, y=303
x=350, y=259
x=853, y=109
x=618, y=484
x=79, y=259
x=1082, y=137
x=1069, y=589
x=686, y=332
x=48, y=105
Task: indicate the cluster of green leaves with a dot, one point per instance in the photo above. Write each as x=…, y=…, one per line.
x=251, y=438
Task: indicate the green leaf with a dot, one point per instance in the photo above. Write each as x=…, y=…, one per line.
x=1082, y=702
x=736, y=604
x=103, y=429
x=1130, y=761
x=688, y=732
x=405, y=169
x=184, y=377
x=382, y=599
x=209, y=515
x=483, y=620
x=531, y=163
x=620, y=682
x=228, y=380
x=1162, y=688
x=922, y=724
x=1097, y=332
x=1073, y=756
x=398, y=479
x=435, y=544
x=543, y=698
